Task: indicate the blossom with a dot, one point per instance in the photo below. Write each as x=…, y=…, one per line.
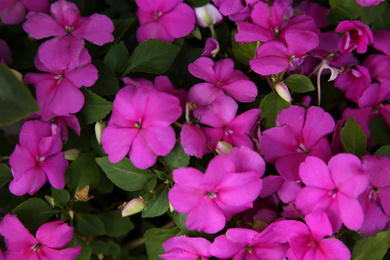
x=221, y=191
x=229, y=7
x=353, y=82
x=5, y=53
x=48, y=242
x=14, y=11
x=69, y=29
x=140, y=125
x=164, y=20
x=357, y=36
x=222, y=75
x=333, y=188
x=184, y=247
x=308, y=242
x=211, y=48
x=297, y=135
x=37, y=158
x=368, y=2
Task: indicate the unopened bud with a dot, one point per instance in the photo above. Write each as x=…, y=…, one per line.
x=72, y=154
x=50, y=200
x=211, y=48
x=133, y=206
x=223, y=148
x=99, y=127
x=71, y=214
x=282, y=90
x=82, y=194
x=171, y=209
x=207, y=15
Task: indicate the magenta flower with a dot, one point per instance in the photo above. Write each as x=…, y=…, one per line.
x=353, y=82
x=48, y=242
x=58, y=90
x=297, y=135
x=333, y=188
x=69, y=29
x=37, y=158
x=211, y=48
x=14, y=11
x=242, y=244
x=5, y=53
x=221, y=192
x=381, y=41
x=229, y=7
x=140, y=126
x=184, y=247
x=222, y=74
x=368, y=2
x=357, y=36
x=164, y=20
x=308, y=242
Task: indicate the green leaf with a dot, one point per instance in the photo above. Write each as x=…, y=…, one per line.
x=82, y=172
x=16, y=101
x=5, y=174
x=353, y=138
x=155, y=237
x=161, y=175
x=384, y=150
x=99, y=247
x=152, y=56
x=114, y=224
x=271, y=105
x=124, y=174
x=337, y=14
x=33, y=212
x=86, y=250
x=61, y=197
x=158, y=205
x=243, y=52
x=94, y=109
x=379, y=130
x=299, y=83
x=107, y=84
x=177, y=157
x=90, y=225
x=197, y=3
x=372, y=248
x=371, y=13
x=350, y=6
x=383, y=21
x=117, y=57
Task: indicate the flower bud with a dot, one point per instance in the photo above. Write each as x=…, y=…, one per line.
x=211, y=48
x=82, y=194
x=133, y=206
x=282, y=90
x=72, y=154
x=50, y=200
x=223, y=148
x=99, y=127
x=207, y=15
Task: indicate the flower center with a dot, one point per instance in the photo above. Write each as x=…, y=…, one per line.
x=332, y=193
x=312, y=243
x=36, y=247
x=40, y=160
x=228, y=131
x=156, y=16
x=212, y=195
x=69, y=29
x=249, y=249
x=302, y=149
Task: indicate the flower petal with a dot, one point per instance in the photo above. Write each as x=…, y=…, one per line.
x=54, y=234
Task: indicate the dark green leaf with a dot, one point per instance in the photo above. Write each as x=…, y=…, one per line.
x=271, y=105
x=107, y=84
x=353, y=138
x=158, y=205
x=337, y=14
x=5, y=174
x=152, y=56
x=61, y=197
x=384, y=150
x=383, y=21
x=177, y=157
x=82, y=172
x=155, y=237
x=371, y=13
x=117, y=57
x=16, y=101
x=90, y=225
x=351, y=6
x=86, y=251
x=124, y=174
x=243, y=52
x=33, y=212
x=197, y=3
x=94, y=109
x=99, y=247
x=299, y=83
x=380, y=132
x=372, y=248
x=161, y=175
x=114, y=224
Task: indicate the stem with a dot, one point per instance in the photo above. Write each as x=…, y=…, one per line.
x=315, y=70
x=319, y=84
x=178, y=124
x=162, y=161
x=213, y=33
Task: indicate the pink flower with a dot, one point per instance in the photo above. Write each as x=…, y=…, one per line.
x=211, y=48
x=37, y=158
x=164, y=20
x=333, y=188
x=297, y=135
x=58, y=91
x=221, y=191
x=5, y=53
x=229, y=7
x=50, y=238
x=14, y=11
x=308, y=242
x=140, y=125
x=69, y=29
x=222, y=75
x=184, y=247
x=353, y=82
x=368, y=2
x=357, y=36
